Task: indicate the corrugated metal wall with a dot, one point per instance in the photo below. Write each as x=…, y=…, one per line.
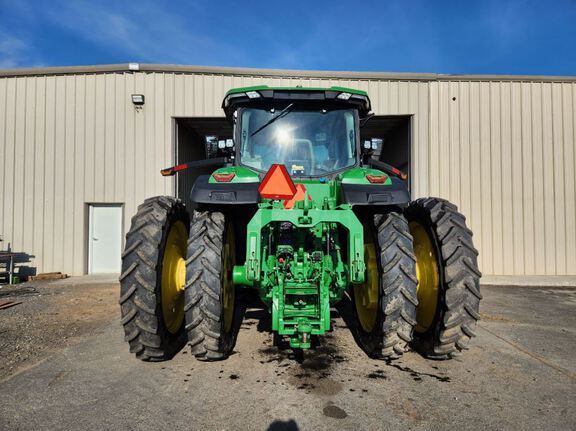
x=502, y=151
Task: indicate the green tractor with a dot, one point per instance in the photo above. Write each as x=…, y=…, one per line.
x=299, y=210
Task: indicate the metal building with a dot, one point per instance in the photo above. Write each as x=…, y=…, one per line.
x=77, y=155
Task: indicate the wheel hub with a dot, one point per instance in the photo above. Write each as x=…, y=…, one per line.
x=174, y=277
x=366, y=294
x=428, y=276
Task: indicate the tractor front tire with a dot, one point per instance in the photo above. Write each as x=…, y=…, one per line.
x=210, y=296
x=449, y=278
x=387, y=318
x=152, y=279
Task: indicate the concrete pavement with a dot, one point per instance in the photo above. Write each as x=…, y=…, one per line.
x=518, y=374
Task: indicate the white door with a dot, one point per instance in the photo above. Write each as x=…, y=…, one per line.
x=105, y=239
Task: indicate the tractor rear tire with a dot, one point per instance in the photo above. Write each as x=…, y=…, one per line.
x=146, y=330
x=209, y=294
x=451, y=326
x=390, y=336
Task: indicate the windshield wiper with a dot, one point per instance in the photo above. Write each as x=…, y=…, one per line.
x=271, y=120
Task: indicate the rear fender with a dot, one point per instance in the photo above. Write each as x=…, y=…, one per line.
x=395, y=194
x=233, y=193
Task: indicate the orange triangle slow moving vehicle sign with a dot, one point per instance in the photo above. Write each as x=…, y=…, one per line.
x=298, y=196
x=277, y=184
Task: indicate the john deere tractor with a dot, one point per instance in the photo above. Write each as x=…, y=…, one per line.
x=298, y=208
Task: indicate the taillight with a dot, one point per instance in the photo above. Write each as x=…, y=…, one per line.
x=224, y=178
x=168, y=172
x=376, y=179
x=399, y=173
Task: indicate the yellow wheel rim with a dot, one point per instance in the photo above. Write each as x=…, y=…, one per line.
x=174, y=277
x=228, y=291
x=366, y=294
x=427, y=274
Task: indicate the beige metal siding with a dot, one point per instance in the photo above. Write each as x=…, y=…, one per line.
x=503, y=151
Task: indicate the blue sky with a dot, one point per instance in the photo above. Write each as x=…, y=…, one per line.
x=492, y=36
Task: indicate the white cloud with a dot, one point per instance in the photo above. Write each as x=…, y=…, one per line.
x=141, y=30
x=13, y=51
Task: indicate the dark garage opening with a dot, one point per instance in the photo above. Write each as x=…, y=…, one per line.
x=194, y=133
x=395, y=132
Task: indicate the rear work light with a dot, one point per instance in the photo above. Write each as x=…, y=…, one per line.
x=376, y=179
x=224, y=178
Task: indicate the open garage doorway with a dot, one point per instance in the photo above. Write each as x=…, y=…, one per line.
x=195, y=136
x=396, y=135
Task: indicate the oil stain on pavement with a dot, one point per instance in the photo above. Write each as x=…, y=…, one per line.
x=335, y=412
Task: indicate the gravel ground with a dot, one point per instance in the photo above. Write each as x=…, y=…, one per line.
x=518, y=374
x=53, y=315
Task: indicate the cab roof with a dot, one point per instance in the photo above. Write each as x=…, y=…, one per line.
x=262, y=94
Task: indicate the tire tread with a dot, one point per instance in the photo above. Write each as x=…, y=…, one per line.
x=203, y=306
x=391, y=339
x=139, y=293
x=461, y=283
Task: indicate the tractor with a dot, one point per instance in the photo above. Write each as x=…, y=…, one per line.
x=299, y=209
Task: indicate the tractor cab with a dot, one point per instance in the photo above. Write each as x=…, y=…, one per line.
x=312, y=132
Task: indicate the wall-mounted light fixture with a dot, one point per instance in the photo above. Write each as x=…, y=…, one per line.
x=138, y=99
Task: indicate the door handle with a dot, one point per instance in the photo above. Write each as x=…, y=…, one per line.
x=94, y=238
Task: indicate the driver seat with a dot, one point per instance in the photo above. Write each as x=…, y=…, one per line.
x=299, y=150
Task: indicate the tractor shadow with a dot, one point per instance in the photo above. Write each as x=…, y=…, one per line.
x=316, y=365
x=345, y=309
x=181, y=343
x=252, y=311
x=250, y=308
x=316, y=361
